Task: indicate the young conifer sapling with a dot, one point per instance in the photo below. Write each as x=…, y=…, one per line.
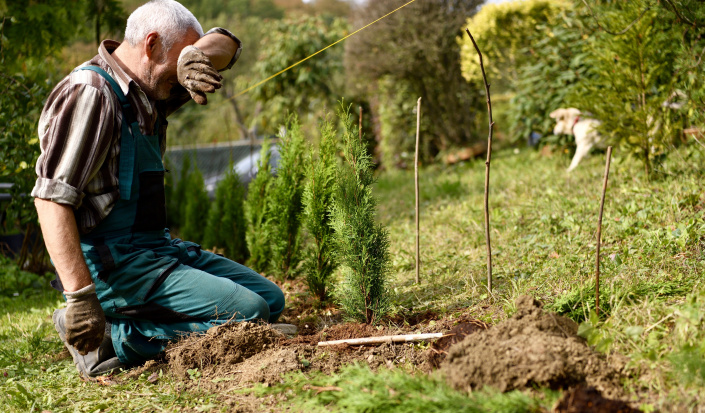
x=319, y=262
x=362, y=245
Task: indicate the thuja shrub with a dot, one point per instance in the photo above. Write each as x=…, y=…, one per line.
x=284, y=202
x=196, y=207
x=256, y=215
x=226, y=220
x=175, y=193
x=362, y=245
x=319, y=262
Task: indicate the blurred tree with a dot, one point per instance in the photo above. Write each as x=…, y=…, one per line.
x=212, y=9
x=513, y=36
x=308, y=87
x=196, y=206
x=410, y=54
x=106, y=14
x=632, y=59
x=555, y=61
x=31, y=36
x=504, y=31
x=226, y=219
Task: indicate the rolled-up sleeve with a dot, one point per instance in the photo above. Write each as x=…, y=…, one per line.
x=226, y=32
x=75, y=134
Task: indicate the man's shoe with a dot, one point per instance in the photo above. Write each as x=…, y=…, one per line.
x=98, y=362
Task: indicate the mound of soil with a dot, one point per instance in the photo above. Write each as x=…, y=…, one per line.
x=226, y=344
x=439, y=349
x=531, y=348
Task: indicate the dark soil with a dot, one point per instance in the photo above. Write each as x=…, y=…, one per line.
x=584, y=399
x=531, y=348
x=439, y=348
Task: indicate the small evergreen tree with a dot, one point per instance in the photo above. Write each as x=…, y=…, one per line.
x=196, y=207
x=284, y=202
x=257, y=235
x=362, y=246
x=226, y=219
x=632, y=74
x=175, y=200
x=319, y=262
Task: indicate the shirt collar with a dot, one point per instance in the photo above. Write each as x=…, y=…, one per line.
x=107, y=47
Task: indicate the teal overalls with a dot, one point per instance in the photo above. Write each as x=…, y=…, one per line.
x=153, y=288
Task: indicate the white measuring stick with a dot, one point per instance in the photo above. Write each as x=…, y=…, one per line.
x=382, y=339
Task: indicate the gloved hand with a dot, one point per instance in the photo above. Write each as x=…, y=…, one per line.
x=197, y=74
x=85, y=321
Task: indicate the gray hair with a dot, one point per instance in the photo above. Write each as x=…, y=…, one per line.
x=167, y=17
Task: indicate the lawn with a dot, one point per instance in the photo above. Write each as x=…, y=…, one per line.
x=543, y=227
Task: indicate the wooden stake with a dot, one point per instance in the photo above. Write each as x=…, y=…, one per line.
x=487, y=167
x=416, y=180
x=599, y=231
x=382, y=339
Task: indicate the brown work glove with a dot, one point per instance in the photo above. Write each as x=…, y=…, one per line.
x=85, y=321
x=197, y=74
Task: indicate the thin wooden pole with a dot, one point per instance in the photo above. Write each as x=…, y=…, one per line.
x=599, y=231
x=487, y=167
x=382, y=339
x=416, y=180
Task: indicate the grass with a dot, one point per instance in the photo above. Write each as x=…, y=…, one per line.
x=543, y=235
x=358, y=389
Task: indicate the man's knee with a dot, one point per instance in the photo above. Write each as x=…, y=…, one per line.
x=277, y=303
x=245, y=305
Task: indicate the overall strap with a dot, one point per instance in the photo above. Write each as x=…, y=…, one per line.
x=129, y=130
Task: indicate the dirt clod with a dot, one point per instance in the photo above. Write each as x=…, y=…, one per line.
x=533, y=347
x=227, y=344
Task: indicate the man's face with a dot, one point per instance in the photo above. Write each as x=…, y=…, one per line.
x=160, y=75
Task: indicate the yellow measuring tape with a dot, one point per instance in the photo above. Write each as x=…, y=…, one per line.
x=327, y=47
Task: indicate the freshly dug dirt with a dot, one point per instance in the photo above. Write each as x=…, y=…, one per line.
x=531, y=348
x=439, y=349
x=226, y=344
x=584, y=399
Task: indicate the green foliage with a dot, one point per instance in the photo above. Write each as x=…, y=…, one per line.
x=553, y=64
x=212, y=9
x=356, y=388
x=397, y=107
x=257, y=235
x=410, y=54
x=312, y=84
x=578, y=303
x=283, y=204
x=226, y=218
x=632, y=74
x=196, y=208
x=176, y=195
x=495, y=28
x=362, y=245
x=688, y=360
x=319, y=261
x=14, y=280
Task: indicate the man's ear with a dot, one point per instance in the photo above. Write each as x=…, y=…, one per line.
x=151, y=44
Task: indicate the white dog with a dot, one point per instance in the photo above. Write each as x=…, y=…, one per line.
x=571, y=122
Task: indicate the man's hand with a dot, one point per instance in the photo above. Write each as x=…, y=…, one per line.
x=197, y=74
x=85, y=321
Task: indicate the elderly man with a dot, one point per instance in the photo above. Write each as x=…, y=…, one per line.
x=130, y=287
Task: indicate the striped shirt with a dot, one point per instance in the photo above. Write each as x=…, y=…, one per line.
x=79, y=135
